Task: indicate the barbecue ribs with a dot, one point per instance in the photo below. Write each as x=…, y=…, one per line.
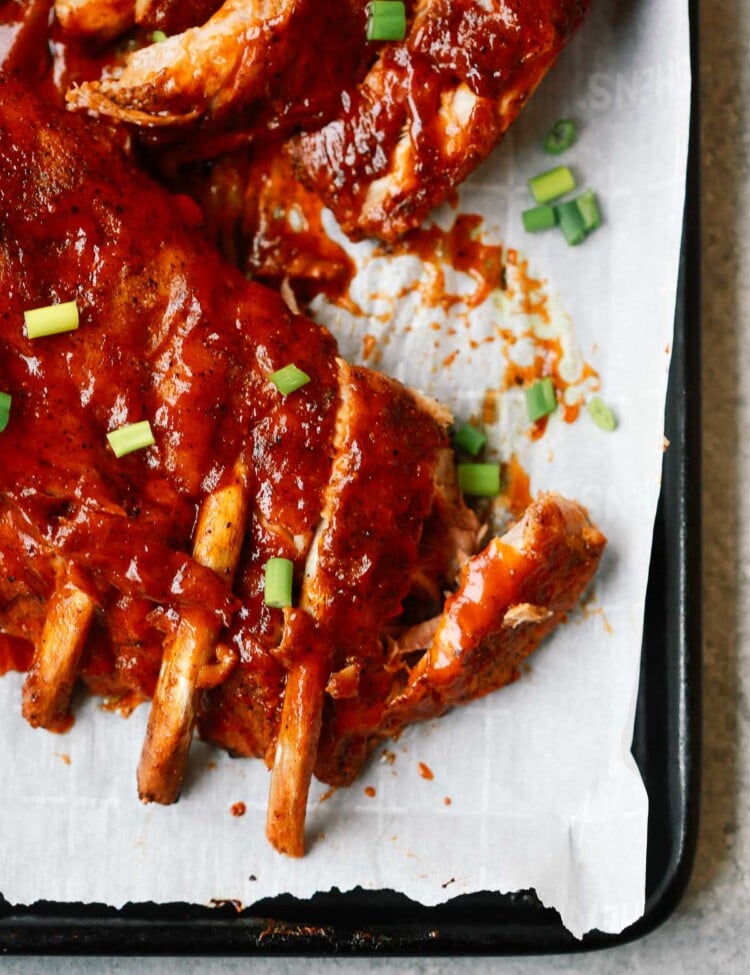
x=383, y=132
x=143, y=576
x=431, y=109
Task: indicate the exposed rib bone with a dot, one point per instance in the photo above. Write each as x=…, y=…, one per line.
x=358, y=570
x=299, y=731
x=297, y=741
x=218, y=543
x=49, y=682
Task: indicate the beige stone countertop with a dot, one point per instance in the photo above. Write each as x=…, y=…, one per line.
x=710, y=930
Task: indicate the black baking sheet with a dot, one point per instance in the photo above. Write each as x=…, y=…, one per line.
x=666, y=746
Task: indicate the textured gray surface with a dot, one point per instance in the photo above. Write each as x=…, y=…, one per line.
x=711, y=929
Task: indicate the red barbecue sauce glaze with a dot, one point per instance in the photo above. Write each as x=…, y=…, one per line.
x=169, y=333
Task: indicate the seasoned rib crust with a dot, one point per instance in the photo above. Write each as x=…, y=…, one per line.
x=100, y=19
x=173, y=16
x=431, y=109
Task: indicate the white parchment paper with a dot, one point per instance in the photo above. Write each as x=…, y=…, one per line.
x=534, y=786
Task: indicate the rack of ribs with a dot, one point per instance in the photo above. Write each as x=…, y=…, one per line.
x=142, y=576
x=383, y=132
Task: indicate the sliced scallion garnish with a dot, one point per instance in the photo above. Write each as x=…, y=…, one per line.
x=134, y=436
x=601, y=414
x=571, y=222
x=479, y=480
x=158, y=36
x=5, y=401
x=277, y=589
x=588, y=206
x=541, y=399
x=386, y=20
x=51, y=319
x=560, y=137
x=539, y=218
x=470, y=439
x=550, y=185
x=288, y=379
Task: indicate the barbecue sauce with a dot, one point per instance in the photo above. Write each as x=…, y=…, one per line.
x=400, y=143
x=15, y=654
x=168, y=333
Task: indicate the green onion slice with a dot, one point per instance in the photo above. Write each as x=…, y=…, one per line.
x=602, y=415
x=479, y=480
x=288, y=379
x=560, y=137
x=540, y=399
x=158, y=36
x=51, y=320
x=470, y=439
x=135, y=436
x=588, y=206
x=5, y=401
x=539, y=218
x=386, y=20
x=571, y=222
x=277, y=590
x=550, y=185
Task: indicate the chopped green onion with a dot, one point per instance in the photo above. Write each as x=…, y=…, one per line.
x=470, y=439
x=601, y=414
x=540, y=399
x=288, y=379
x=134, y=436
x=560, y=137
x=550, y=185
x=386, y=20
x=539, y=218
x=51, y=320
x=479, y=480
x=277, y=590
x=571, y=222
x=588, y=207
x=5, y=401
x=158, y=36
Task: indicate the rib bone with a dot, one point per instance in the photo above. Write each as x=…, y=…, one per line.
x=49, y=682
x=217, y=545
x=297, y=741
x=301, y=716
